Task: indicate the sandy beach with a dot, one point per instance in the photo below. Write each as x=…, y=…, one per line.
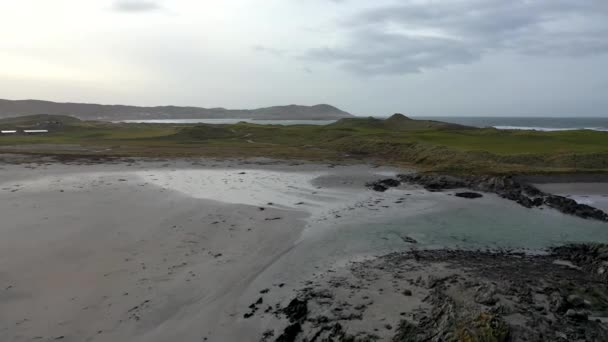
x=206, y=250
x=151, y=251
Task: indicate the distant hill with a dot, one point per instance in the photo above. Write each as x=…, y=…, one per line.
x=40, y=121
x=84, y=111
x=397, y=122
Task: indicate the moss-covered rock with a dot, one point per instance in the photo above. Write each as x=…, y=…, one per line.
x=485, y=328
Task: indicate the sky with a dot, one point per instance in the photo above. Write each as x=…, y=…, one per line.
x=417, y=57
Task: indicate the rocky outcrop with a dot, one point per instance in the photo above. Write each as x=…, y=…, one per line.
x=464, y=295
x=504, y=186
x=593, y=258
x=383, y=184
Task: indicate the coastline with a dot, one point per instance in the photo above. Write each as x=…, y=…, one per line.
x=154, y=250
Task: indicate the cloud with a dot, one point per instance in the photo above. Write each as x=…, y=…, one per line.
x=269, y=50
x=135, y=6
x=416, y=35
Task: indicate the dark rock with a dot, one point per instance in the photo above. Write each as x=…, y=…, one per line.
x=577, y=315
x=408, y=332
x=408, y=239
x=506, y=187
x=470, y=195
x=296, y=310
x=384, y=184
x=391, y=183
x=557, y=303
x=290, y=333
x=486, y=295
x=266, y=336
x=575, y=301
x=433, y=182
x=378, y=187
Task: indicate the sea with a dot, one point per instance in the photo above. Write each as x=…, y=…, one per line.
x=528, y=123
x=517, y=123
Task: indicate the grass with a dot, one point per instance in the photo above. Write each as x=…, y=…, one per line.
x=427, y=145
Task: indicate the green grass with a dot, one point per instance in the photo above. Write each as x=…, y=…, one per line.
x=427, y=145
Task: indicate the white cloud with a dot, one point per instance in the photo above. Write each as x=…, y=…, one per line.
x=475, y=57
x=411, y=36
x=136, y=6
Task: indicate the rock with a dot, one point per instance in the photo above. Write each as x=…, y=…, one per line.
x=384, y=184
x=525, y=202
x=407, y=332
x=575, y=301
x=486, y=295
x=407, y=293
x=578, y=315
x=391, y=183
x=537, y=202
x=408, y=239
x=266, y=336
x=433, y=182
x=290, y=333
x=486, y=327
x=296, y=310
x=469, y=195
x=378, y=187
x=506, y=187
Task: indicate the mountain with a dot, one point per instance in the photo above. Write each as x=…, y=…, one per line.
x=85, y=111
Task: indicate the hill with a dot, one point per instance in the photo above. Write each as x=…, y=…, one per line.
x=423, y=144
x=84, y=111
x=397, y=122
x=42, y=121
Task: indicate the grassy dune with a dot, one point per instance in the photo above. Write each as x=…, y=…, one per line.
x=427, y=145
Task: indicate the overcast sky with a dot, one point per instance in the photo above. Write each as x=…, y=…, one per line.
x=418, y=57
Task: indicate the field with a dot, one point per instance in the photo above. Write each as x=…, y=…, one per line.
x=425, y=145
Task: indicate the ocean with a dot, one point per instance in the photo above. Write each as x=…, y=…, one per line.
x=528, y=123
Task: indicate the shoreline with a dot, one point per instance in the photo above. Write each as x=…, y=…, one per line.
x=154, y=250
x=523, y=193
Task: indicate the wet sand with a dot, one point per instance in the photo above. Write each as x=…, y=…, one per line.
x=184, y=250
x=146, y=251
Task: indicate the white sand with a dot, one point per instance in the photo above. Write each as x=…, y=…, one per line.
x=147, y=252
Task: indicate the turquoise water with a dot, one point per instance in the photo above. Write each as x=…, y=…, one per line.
x=487, y=225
